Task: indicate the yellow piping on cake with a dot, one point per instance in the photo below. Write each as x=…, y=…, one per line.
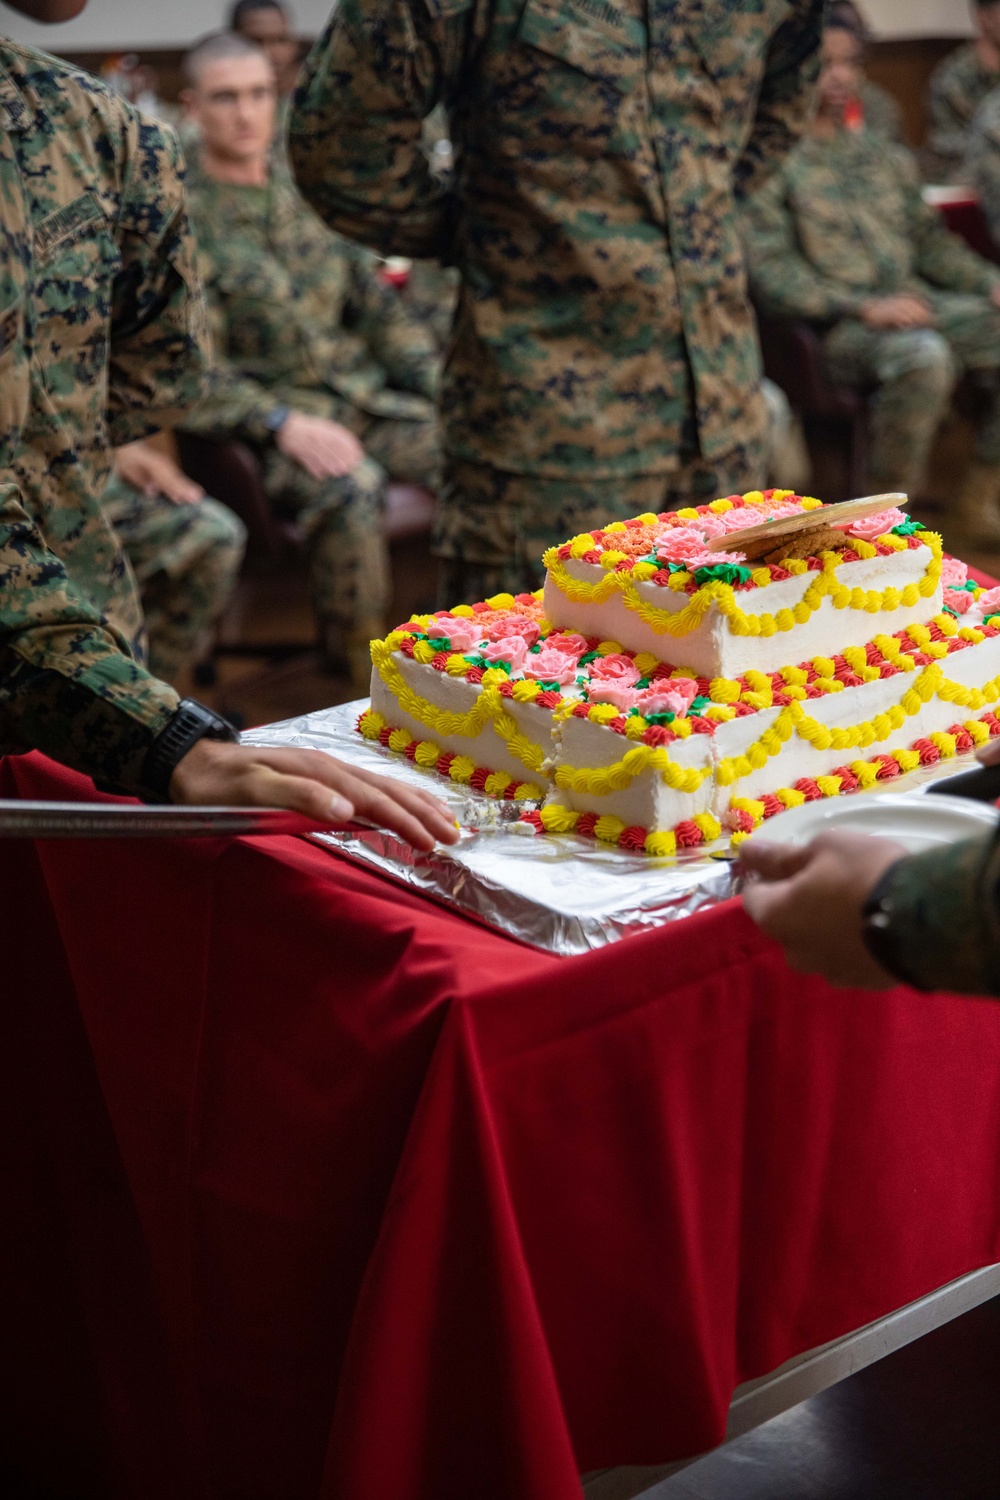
x=793, y=719
x=598, y=781
x=488, y=709
x=684, y=621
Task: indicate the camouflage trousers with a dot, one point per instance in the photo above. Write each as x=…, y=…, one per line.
x=492, y=527
x=915, y=371
x=342, y=518
x=186, y=559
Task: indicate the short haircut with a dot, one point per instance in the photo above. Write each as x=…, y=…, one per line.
x=218, y=46
x=845, y=16
x=246, y=7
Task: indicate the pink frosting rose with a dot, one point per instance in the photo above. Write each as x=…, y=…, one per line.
x=618, y=668
x=515, y=625
x=460, y=632
x=989, y=603
x=668, y=695
x=709, y=525
x=613, y=692
x=570, y=644
x=680, y=543
x=708, y=559
x=869, y=527
x=953, y=572
x=958, y=600
x=550, y=665
x=514, y=649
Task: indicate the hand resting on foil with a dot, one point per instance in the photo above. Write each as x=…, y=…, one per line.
x=216, y=774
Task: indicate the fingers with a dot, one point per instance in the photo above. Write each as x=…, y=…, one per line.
x=766, y=902
x=989, y=754
x=769, y=861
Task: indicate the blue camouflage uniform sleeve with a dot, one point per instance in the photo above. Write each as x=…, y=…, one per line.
x=945, y=916
x=354, y=139
x=158, y=355
x=68, y=686
x=786, y=95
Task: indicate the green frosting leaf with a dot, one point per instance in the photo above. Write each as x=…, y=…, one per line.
x=665, y=718
x=731, y=573
x=907, y=528
x=699, y=705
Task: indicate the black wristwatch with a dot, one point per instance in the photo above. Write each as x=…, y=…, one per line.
x=881, y=940
x=191, y=722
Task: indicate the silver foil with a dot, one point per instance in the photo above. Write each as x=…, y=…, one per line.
x=564, y=895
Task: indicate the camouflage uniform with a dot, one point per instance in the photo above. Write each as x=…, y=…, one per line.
x=603, y=340
x=982, y=160
x=186, y=559
x=945, y=916
x=300, y=320
x=957, y=88
x=881, y=112
x=102, y=340
x=844, y=221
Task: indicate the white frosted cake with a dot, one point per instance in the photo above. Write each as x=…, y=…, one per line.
x=649, y=701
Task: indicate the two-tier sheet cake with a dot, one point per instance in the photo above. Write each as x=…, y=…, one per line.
x=669, y=683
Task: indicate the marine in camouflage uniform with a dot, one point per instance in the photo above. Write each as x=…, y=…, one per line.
x=982, y=160
x=301, y=322
x=102, y=340
x=844, y=222
x=957, y=88
x=604, y=359
x=186, y=559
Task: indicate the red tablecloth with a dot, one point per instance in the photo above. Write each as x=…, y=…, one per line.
x=422, y=1214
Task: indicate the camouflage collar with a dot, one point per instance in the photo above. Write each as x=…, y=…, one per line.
x=14, y=112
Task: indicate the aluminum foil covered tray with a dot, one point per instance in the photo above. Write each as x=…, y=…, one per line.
x=564, y=895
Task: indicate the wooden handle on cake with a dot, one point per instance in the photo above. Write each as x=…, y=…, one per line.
x=792, y=531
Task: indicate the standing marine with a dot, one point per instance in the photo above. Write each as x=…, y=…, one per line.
x=102, y=339
x=604, y=360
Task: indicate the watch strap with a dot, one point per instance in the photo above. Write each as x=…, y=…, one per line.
x=882, y=938
x=191, y=722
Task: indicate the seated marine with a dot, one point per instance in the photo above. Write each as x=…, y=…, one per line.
x=184, y=549
x=957, y=88
x=317, y=364
x=841, y=237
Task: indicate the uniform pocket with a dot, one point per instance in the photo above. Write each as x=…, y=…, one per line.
x=589, y=35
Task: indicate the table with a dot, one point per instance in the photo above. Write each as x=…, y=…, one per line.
x=357, y=1200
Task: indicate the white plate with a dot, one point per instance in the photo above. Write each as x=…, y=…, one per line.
x=915, y=822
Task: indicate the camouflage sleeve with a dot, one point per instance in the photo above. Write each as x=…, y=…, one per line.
x=231, y=401
x=948, y=114
x=68, y=685
x=786, y=95
x=941, y=257
x=403, y=347
x=354, y=139
x=783, y=281
x=945, y=916
x=982, y=161
x=158, y=349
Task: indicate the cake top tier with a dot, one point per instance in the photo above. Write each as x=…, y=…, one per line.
x=656, y=584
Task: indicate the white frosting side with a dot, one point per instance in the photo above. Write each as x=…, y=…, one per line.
x=712, y=650
x=646, y=802
x=458, y=696
x=972, y=667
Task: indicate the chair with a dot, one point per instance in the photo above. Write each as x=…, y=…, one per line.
x=229, y=470
x=793, y=359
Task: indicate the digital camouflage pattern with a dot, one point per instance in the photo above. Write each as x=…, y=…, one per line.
x=590, y=213
x=882, y=114
x=300, y=319
x=186, y=559
x=102, y=340
x=957, y=88
x=982, y=160
x=843, y=221
x=946, y=916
